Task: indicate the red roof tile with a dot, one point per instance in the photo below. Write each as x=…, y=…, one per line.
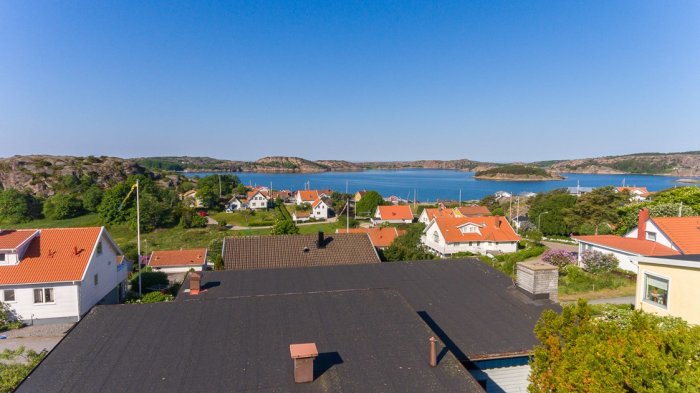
x=474, y=210
x=488, y=229
x=308, y=195
x=433, y=212
x=379, y=236
x=166, y=258
x=629, y=244
x=397, y=212
x=11, y=239
x=642, y=190
x=684, y=232
x=52, y=257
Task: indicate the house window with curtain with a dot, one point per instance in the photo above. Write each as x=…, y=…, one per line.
x=43, y=295
x=656, y=290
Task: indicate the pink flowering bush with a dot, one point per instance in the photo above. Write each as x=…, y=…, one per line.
x=559, y=258
x=596, y=261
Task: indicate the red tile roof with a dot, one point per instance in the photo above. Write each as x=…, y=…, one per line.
x=317, y=202
x=488, y=229
x=56, y=255
x=642, y=190
x=308, y=195
x=302, y=214
x=684, y=232
x=629, y=244
x=11, y=239
x=380, y=236
x=474, y=210
x=397, y=212
x=167, y=258
x=433, y=212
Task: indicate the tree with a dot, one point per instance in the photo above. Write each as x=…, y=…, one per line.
x=109, y=211
x=92, y=198
x=339, y=200
x=17, y=207
x=15, y=365
x=190, y=219
x=689, y=196
x=148, y=280
x=62, y=206
x=368, y=204
x=284, y=227
x=593, y=210
x=614, y=350
x=553, y=207
x=628, y=215
x=408, y=247
x=211, y=189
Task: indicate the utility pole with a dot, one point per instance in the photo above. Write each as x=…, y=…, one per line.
x=347, y=217
x=517, y=212
x=138, y=234
x=414, y=199
x=460, y=197
x=680, y=209
x=219, y=186
x=510, y=208
x=346, y=186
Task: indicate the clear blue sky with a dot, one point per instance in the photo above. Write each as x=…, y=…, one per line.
x=494, y=81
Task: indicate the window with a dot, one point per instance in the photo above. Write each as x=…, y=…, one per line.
x=95, y=279
x=651, y=236
x=9, y=295
x=656, y=290
x=99, y=248
x=43, y=295
x=2, y=257
x=436, y=237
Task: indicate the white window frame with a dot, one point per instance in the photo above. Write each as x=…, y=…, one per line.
x=651, y=236
x=43, y=295
x=4, y=296
x=654, y=275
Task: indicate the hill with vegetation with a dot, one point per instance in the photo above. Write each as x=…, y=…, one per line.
x=673, y=164
x=516, y=173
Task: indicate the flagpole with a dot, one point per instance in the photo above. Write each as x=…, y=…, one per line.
x=138, y=233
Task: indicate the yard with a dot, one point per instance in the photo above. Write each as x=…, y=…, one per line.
x=247, y=218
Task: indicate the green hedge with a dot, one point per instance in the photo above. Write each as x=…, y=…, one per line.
x=284, y=212
x=508, y=261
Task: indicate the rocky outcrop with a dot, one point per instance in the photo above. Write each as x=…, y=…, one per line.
x=40, y=173
x=672, y=164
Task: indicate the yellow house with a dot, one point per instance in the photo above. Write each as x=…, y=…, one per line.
x=359, y=195
x=669, y=286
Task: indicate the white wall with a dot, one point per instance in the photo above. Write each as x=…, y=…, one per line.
x=180, y=269
x=627, y=261
x=105, y=266
x=320, y=211
x=65, y=303
x=481, y=247
x=660, y=237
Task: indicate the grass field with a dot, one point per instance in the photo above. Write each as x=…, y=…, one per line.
x=249, y=218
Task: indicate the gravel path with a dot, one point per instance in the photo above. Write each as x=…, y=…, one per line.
x=37, y=337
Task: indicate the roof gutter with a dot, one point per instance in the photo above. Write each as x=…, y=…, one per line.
x=501, y=355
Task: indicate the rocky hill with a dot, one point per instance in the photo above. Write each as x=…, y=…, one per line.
x=673, y=164
x=516, y=173
x=40, y=173
x=463, y=164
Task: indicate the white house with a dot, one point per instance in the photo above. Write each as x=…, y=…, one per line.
x=320, y=209
x=429, y=213
x=257, y=200
x=653, y=237
x=178, y=261
x=236, y=203
x=301, y=216
x=637, y=194
x=393, y=214
x=190, y=199
x=58, y=275
x=306, y=196
x=480, y=235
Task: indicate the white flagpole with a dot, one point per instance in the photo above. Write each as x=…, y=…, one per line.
x=138, y=233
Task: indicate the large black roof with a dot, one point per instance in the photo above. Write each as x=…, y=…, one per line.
x=474, y=307
x=368, y=340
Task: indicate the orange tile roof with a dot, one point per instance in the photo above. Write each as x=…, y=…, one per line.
x=251, y=194
x=433, y=212
x=684, y=232
x=396, y=212
x=643, y=190
x=11, y=239
x=379, y=236
x=474, y=210
x=317, y=202
x=165, y=258
x=52, y=257
x=450, y=229
x=308, y=195
x=629, y=244
x=302, y=214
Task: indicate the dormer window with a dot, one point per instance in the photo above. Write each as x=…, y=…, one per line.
x=471, y=228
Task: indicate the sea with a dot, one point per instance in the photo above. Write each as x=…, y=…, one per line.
x=430, y=185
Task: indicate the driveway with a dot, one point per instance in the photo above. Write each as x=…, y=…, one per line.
x=561, y=246
x=37, y=337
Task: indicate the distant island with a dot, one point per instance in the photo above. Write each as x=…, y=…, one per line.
x=516, y=173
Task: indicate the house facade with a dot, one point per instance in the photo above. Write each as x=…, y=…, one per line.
x=305, y=196
x=479, y=235
x=235, y=204
x=637, y=194
x=653, y=237
x=669, y=286
x=393, y=214
x=381, y=237
x=320, y=209
x=58, y=275
x=429, y=213
x=257, y=200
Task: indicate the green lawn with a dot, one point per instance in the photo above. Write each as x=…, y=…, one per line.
x=88, y=220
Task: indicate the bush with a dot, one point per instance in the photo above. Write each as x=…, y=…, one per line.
x=148, y=280
x=16, y=365
x=559, y=258
x=154, y=297
x=190, y=219
x=8, y=318
x=62, y=206
x=508, y=261
x=596, y=261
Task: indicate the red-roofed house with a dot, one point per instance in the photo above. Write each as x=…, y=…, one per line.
x=381, y=237
x=474, y=211
x=57, y=275
x=393, y=214
x=653, y=237
x=257, y=199
x=178, y=261
x=636, y=193
x=321, y=208
x=306, y=196
x=429, y=213
x=487, y=234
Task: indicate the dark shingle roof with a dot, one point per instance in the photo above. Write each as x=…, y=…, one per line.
x=476, y=306
x=368, y=340
x=271, y=252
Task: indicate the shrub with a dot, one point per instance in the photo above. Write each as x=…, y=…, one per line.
x=559, y=258
x=62, y=206
x=148, y=280
x=15, y=365
x=596, y=261
x=155, y=297
x=508, y=261
x=8, y=318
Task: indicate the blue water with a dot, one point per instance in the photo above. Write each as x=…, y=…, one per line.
x=434, y=184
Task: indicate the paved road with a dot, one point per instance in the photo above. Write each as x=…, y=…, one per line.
x=37, y=337
x=561, y=246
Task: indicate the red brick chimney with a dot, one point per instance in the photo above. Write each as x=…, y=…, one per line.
x=433, y=352
x=195, y=283
x=642, y=224
x=303, y=355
